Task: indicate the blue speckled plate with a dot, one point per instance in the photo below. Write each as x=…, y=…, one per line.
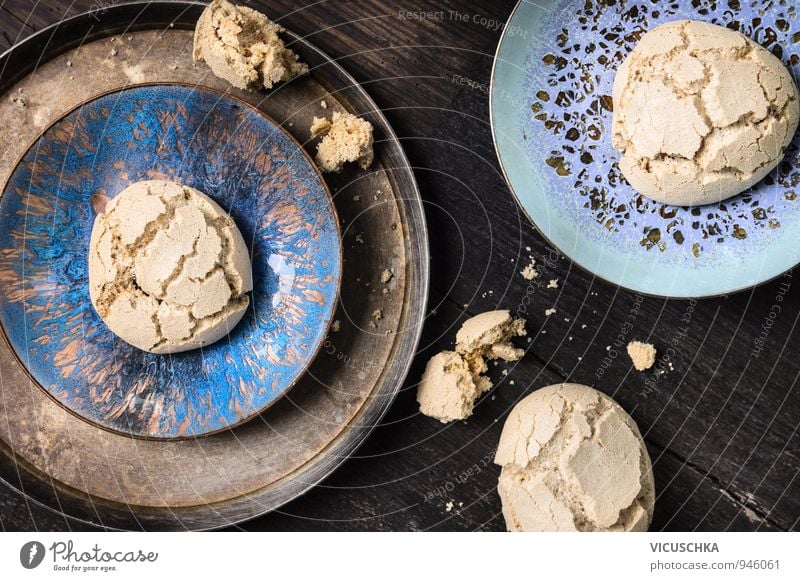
x=246, y=163
x=551, y=116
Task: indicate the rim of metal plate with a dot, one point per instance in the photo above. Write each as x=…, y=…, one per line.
x=40, y=489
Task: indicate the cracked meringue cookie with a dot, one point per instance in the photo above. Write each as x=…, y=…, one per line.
x=701, y=113
x=573, y=460
x=242, y=46
x=168, y=268
x=453, y=380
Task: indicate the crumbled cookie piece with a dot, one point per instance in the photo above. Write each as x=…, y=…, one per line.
x=643, y=355
x=242, y=46
x=453, y=380
x=530, y=272
x=448, y=389
x=489, y=335
x=386, y=275
x=345, y=138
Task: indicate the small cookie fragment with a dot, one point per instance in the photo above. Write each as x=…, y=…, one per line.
x=448, y=389
x=345, y=138
x=530, y=272
x=489, y=335
x=242, y=46
x=573, y=460
x=643, y=355
x=453, y=380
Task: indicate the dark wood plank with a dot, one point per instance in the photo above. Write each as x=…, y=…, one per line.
x=721, y=423
x=12, y=30
x=402, y=479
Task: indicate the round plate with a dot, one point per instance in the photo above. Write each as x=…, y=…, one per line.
x=109, y=479
x=551, y=116
x=249, y=166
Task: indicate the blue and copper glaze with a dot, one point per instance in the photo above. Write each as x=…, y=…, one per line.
x=249, y=166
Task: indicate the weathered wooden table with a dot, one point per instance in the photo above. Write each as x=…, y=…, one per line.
x=721, y=422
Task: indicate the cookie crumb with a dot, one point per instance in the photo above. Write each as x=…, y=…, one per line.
x=377, y=314
x=643, y=355
x=336, y=326
x=530, y=272
x=549, y=312
x=553, y=283
x=242, y=46
x=323, y=104
x=387, y=275
x=345, y=138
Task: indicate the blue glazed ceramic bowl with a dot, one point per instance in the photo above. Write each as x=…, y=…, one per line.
x=249, y=166
x=551, y=117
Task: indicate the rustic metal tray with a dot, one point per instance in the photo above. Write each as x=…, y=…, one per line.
x=78, y=469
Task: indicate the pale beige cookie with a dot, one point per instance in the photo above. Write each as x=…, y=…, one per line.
x=643, y=355
x=448, y=389
x=701, y=113
x=453, y=380
x=242, y=46
x=488, y=336
x=573, y=460
x=168, y=268
x=345, y=138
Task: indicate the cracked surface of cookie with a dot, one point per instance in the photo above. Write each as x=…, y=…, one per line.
x=489, y=335
x=242, y=46
x=573, y=460
x=345, y=138
x=701, y=113
x=168, y=268
x=448, y=389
